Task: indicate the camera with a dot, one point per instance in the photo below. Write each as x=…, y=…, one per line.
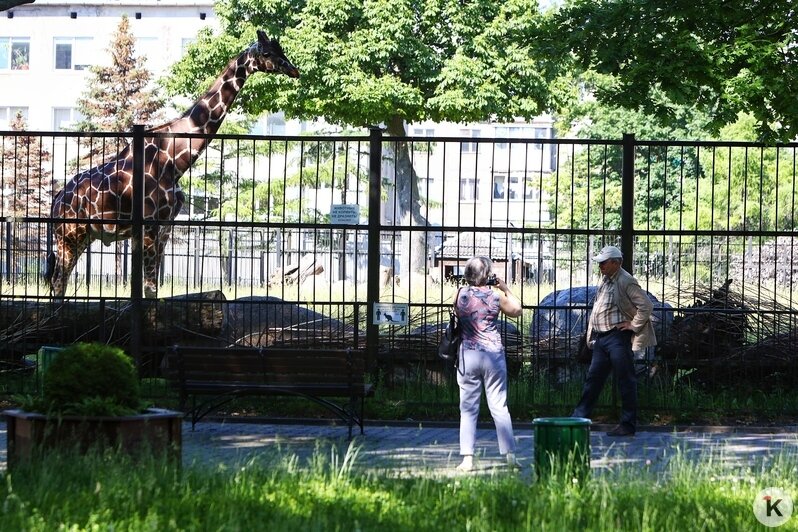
x=492, y=280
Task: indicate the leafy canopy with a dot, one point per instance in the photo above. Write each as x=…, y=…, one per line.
x=722, y=57
x=365, y=62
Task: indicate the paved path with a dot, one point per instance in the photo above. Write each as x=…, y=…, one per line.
x=427, y=450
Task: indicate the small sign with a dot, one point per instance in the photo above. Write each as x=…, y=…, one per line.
x=345, y=214
x=391, y=313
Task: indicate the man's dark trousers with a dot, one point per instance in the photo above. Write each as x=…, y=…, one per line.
x=611, y=352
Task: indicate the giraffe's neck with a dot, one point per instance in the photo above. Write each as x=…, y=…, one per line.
x=205, y=116
x=208, y=112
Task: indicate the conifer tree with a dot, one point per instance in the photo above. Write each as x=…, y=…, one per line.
x=118, y=95
x=26, y=158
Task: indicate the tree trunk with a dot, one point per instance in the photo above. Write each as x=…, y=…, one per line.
x=413, y=249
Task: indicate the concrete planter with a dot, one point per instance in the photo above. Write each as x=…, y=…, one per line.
x=156, y=431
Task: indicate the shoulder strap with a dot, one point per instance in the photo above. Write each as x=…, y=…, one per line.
x=454, y=303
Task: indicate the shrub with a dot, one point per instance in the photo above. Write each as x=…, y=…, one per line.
x=91, y=379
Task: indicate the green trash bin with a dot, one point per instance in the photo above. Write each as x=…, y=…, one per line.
x=562, y=444
x=46, y=355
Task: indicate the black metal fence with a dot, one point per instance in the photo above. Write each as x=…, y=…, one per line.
x=313, y=240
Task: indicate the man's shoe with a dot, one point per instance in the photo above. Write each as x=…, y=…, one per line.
x=621, y=430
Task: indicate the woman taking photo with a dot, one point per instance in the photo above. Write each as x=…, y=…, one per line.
x=482, y=361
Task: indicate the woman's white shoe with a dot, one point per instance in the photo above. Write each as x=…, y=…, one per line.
x=467, y=464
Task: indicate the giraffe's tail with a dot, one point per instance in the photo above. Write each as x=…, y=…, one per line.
x=49, y=266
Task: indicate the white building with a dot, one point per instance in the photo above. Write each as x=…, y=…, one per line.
x=47, y=47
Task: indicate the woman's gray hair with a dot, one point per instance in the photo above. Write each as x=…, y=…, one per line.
x=477, y=270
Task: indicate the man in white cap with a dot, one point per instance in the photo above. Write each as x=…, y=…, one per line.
x=619, y=323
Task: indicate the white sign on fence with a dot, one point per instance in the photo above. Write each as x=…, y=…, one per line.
x=345, y=214
x=390, y=313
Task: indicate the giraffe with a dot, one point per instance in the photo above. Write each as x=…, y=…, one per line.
x=100, y=200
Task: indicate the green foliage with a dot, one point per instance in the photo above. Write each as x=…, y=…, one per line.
x=91, y=379
x=370, y=62
x=659, y=55
x=588, y=193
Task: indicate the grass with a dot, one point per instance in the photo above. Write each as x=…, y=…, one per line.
x=331, y=492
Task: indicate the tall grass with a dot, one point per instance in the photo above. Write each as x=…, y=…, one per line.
x=331, y=492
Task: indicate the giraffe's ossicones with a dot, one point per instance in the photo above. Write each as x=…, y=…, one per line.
x=97, y=204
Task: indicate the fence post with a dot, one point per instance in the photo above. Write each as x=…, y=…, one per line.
x=628, y=200
x=136, y=245
x=375, y=222
x=9, y=246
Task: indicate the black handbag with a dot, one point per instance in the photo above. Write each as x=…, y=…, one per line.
x=452, y=338
x=449, y=348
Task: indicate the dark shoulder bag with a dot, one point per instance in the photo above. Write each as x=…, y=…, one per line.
x=449, y=348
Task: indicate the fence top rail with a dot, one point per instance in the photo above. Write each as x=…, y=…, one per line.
x=412, y=139
x=716, y=143
x=218, y=136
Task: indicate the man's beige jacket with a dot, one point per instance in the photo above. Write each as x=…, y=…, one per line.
x=637, y=307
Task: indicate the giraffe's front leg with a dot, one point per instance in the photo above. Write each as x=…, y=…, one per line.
x=151, y=263
x=154, y=246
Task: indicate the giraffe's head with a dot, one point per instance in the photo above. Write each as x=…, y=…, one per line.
x=269, y=57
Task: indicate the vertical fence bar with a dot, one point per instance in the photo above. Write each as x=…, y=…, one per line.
x=137, y=241
x=9, y=246
x=627, y=200
x=374, y=225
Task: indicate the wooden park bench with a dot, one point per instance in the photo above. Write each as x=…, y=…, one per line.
x=220, y=374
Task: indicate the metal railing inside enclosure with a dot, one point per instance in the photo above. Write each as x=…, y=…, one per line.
x=303, y=240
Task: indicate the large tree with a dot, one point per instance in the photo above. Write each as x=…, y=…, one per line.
x=723, y=57
x=391, y=62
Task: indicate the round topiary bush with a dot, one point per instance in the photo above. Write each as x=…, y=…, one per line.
x=92, y=379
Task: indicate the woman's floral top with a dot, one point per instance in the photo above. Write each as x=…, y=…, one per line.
x=478, y=308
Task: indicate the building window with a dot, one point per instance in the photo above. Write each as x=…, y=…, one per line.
x=501, y=189
x=8, y=114
x=65, y=117
x=499, y=186
x=73, y=53
x=469, y=189
x=509, y=132
x=14, y=53
x=469, y=147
